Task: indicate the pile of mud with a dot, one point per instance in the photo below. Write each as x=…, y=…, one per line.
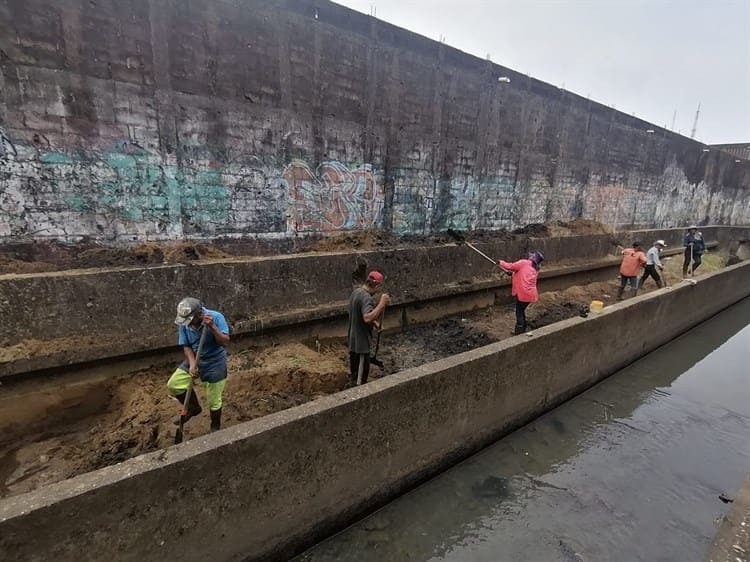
x=41, y=256
x=137, y=414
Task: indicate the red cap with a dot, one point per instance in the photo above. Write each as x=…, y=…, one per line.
x=375, y=277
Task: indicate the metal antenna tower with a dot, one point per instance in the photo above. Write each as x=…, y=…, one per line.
x=695, y=121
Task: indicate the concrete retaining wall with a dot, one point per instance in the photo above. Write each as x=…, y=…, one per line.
x=166, y=119
x=265, y=488
x=69, y=317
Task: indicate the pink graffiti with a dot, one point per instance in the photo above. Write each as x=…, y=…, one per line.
x=333, y=197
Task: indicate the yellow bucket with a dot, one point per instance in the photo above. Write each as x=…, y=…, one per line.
x=596, y=306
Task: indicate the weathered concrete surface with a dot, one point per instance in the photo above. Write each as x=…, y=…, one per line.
x=89, y=315
x=732, y=541
x=263, y=489
x=164, y=119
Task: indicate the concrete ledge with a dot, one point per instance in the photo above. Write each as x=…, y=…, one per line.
x=266, y=488
x=259, y=295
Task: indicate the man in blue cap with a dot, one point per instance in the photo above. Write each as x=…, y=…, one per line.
x=694, y=249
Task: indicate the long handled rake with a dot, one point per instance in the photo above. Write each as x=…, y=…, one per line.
x=458, y=237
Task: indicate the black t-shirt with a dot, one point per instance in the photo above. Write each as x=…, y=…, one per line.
x=360, y=303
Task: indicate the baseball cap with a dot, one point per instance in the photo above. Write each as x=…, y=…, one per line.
x=661, y=243
x=375, y=277
x=186, y=310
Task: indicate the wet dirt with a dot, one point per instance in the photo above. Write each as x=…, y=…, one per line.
x=33, y=347
x=41, y=256
x=579, y=227
x=137, y=413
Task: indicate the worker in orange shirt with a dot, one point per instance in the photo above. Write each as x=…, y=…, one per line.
x=633, y=260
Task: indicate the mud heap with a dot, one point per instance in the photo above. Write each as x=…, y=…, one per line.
x=41, y=256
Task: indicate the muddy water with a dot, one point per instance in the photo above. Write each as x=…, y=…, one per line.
x=631, y=470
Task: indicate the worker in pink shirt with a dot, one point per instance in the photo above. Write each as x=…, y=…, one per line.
x=633, y=260
x=525, y=272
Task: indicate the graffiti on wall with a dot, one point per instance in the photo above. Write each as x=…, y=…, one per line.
x=333, y=197
x=125, y=192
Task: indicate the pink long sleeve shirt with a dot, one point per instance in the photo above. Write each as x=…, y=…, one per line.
x=524, y=279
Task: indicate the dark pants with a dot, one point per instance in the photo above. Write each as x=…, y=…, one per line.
x=627, y=280
x=520, y=316
x=358, y=361
x=686, y=263
x=651, y=271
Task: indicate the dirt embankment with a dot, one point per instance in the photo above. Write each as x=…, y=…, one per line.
x=136, y=414
x=41, y=256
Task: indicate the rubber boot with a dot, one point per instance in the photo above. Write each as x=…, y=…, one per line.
x=215, y=420
x=193, y=408
x=620, y=291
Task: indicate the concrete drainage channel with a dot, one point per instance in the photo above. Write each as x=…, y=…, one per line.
x=274, y=499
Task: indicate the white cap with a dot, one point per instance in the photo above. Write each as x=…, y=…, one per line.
x=186, y=311
x=661, y=243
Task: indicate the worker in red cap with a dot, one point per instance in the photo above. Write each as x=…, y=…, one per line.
x=363, y=316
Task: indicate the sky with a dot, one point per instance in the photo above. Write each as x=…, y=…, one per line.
x=645, y=57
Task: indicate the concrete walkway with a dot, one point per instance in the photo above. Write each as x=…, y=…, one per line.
x=732, y=542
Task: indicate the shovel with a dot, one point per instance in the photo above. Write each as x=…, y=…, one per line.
x=374, y=358
x=461, y=240
x=189, y=391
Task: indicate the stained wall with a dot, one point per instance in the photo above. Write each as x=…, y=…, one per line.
x=125, y=120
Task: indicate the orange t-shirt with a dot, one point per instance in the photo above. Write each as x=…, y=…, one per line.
x=632, y=262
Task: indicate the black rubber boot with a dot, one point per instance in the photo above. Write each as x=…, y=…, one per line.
x=215, y=419
x=620, y=291
x=193, y=408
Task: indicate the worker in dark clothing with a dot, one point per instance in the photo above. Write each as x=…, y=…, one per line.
x=694, y=249
x=363, y=316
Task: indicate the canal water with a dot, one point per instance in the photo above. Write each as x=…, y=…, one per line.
x=630, y=470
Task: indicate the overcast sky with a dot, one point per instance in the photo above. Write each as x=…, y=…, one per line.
x=648, y=57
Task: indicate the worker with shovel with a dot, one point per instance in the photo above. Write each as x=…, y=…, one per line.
x=694, y=249
x=363, y=316
x=523, y=285
x=210, y=367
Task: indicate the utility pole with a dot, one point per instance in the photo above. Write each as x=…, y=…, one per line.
x=695, y=122
x=674, y=118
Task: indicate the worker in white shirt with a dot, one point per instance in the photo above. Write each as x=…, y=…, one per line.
x=653, y=264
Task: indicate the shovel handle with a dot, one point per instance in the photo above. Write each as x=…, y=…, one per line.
x=189, y=391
